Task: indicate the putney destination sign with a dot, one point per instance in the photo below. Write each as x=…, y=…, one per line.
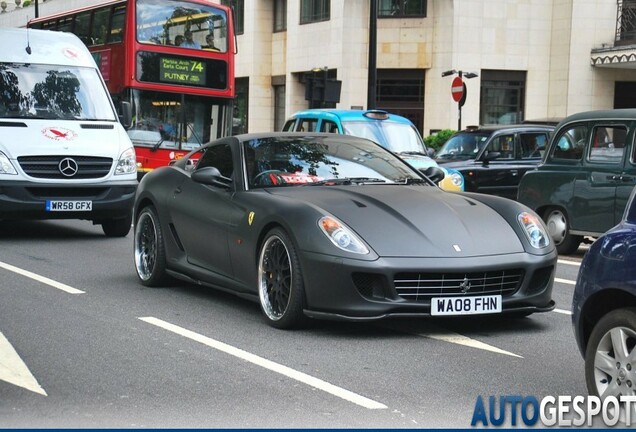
x=182, y=71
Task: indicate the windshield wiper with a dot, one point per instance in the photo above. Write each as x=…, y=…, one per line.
x=411, y=180
x=345, y=181
x=412, y=152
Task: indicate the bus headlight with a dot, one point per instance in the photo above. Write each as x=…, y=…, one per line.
x=127, y=163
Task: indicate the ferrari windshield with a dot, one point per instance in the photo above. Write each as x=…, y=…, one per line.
x=463, y=146
x=53, y=92
x=289, y=161
x=397, y=137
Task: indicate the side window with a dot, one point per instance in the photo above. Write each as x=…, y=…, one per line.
x=608, y=144
x=220, y=157
x=570, y=143
x=533, y=145
x=83, y=27
x=307, y=125
x=328, y=126
x=505, y=145
x=117, y=25
x=289, y=126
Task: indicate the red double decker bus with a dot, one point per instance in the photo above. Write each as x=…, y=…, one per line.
x=173, y=60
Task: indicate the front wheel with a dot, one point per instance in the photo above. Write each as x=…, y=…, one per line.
x=149, y=249
x=559, y=229
x=280, y=281
x=610, y=357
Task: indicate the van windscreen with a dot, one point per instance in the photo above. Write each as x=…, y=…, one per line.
x=37, y=91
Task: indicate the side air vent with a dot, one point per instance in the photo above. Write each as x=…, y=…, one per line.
x=12, y=124
x=96, y=126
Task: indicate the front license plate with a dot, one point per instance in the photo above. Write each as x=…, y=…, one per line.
x=466, y=305
x=58, y=205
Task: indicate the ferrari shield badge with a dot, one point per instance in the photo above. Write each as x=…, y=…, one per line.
x=250, y=218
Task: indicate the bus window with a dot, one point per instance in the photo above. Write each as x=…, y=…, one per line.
x=65, y=24
x=83, y=27
x=117, y=25
x=100, y=26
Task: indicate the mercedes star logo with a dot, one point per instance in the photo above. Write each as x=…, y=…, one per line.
x=68, y=167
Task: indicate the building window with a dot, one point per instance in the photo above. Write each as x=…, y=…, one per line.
x=280, y=15
x=278, y=83
x=314, y=11
x=401, y=8
x=238, y=8
x=502, y=97
x=241, y=106
x=401, y=91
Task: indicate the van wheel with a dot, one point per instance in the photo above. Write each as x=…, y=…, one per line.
x=117, y=227
x=559, y=229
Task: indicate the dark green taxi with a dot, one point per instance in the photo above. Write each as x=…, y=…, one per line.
x=582, y=186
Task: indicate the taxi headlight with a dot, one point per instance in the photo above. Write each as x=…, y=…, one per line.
x=533, y=228
x=456, y=178
x=127, y=163
x=341, y=236
x=6, y=167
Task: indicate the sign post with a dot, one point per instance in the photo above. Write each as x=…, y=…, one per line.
x=458, y=91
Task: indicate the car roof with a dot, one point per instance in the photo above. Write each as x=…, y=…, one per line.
x=611, y=114
x=348, y=115
x=507, y=127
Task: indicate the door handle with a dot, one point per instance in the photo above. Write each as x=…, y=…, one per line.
x=626, y=179
x=177, y=190
x=613, y=178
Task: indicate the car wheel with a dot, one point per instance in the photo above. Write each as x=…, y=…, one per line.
x=117, y=227
x=149, y=248
x=280, y=281
x=559, y=229
x=610, y=357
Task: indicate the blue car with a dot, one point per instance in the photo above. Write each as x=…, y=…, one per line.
x=393, y=132
x=604, y=309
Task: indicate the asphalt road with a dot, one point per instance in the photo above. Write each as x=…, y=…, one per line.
x=97, y=349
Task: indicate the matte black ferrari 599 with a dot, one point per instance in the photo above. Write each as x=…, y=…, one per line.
x=336, y=227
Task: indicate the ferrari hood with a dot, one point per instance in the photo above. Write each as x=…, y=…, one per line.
x=413, y=221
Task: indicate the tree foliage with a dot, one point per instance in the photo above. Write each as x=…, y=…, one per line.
x=436, y=141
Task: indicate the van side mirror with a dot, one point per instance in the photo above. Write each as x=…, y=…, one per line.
x=125, y=118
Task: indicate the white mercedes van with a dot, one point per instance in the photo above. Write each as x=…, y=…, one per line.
x=63, y=152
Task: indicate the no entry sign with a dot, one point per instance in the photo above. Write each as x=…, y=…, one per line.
x=457, y=89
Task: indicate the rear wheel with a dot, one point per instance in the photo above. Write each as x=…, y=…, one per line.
x=610, y=357
x=280, y=281
x=149, y=249
x=559, y=229
x=117, y=227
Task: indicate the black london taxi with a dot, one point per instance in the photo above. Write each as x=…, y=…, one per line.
x=493, y=159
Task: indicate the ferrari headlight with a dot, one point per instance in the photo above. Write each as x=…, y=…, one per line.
x=127, y=163
x=341, y=236
x=6, y=167
x=534, y=230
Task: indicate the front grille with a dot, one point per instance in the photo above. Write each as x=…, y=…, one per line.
x=424, y=286
x=68, y=192
x=48, y=166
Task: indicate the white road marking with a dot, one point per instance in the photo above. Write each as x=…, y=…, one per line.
x=565, y=281
x=573, y=263
x=458, y=339
x=268, y=364
x=562, y=311
x=14, y=371
x=42, y=279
